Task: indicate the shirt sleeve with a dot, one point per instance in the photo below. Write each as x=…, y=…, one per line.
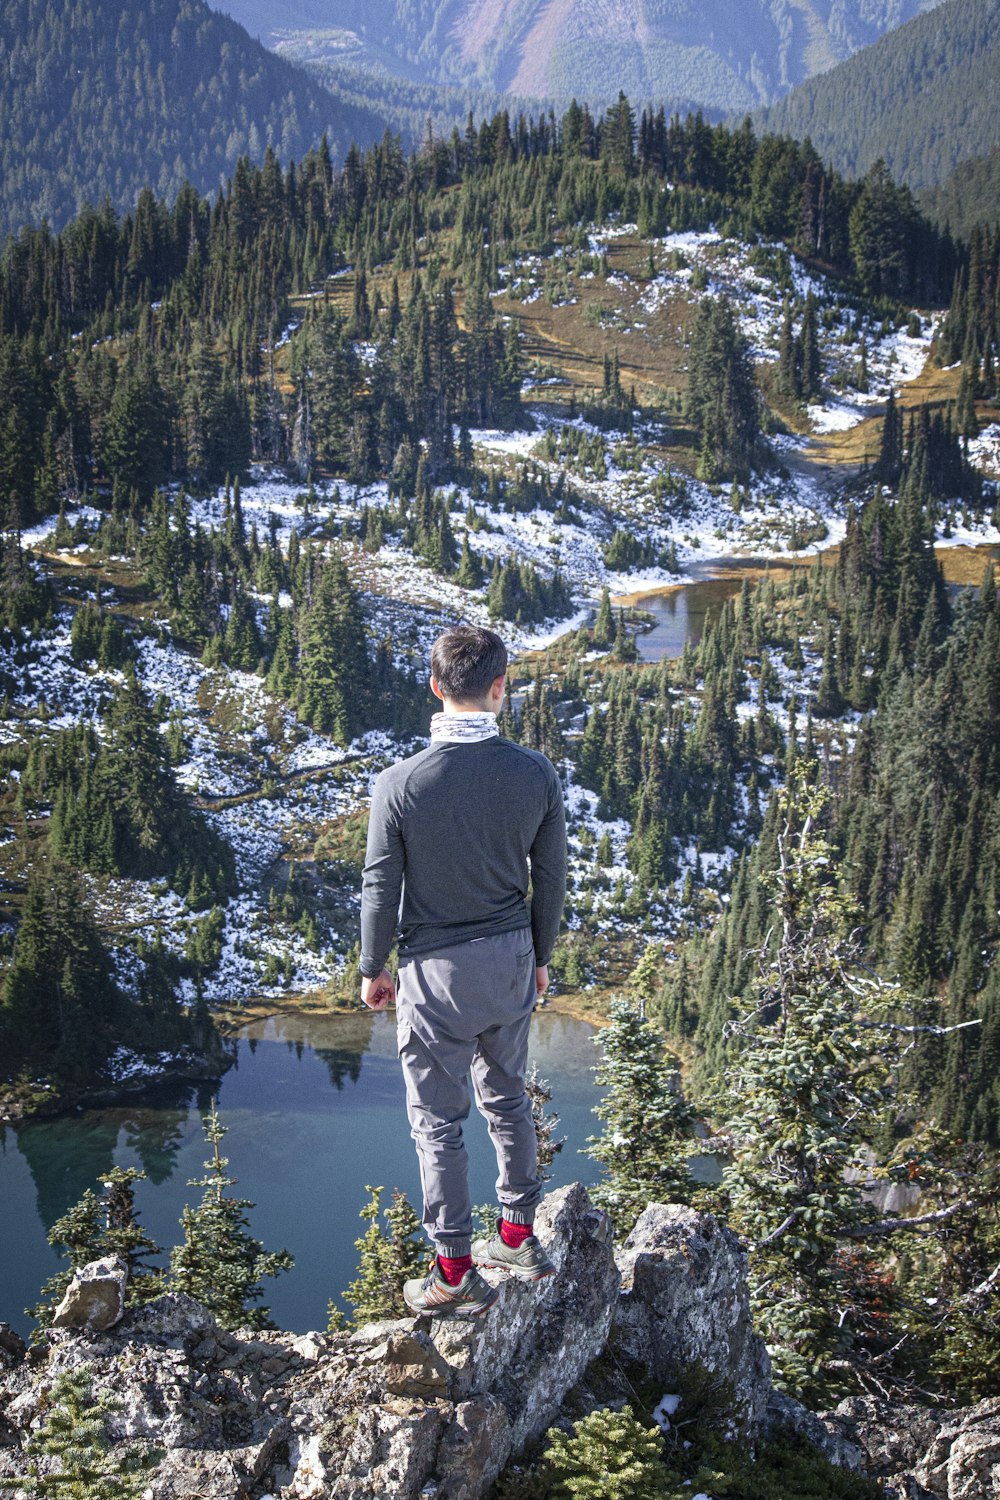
x=382, y=881
x=547, y=858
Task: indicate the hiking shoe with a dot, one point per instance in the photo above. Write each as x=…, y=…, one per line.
x=528, y=1262
x=433, y=1296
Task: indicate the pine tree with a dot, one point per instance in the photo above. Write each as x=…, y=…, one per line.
x=99, y=1226
x=603, y=631
x=219, y=1262
x=812, y=370
x=72, y=1441
x=385, y=1261
x=646, y=1142
x=609, y=1456
x=539, y=1092
x=332, y=655
x=811, y=1071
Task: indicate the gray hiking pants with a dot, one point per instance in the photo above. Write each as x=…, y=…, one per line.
x=461, y=1008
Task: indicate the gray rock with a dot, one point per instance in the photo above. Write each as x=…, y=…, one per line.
x=12, y=1347
x=892, y=1437
x=95, y=1298
x=784, y=1416
x=963, y=1461
x=685, y=1301
x=417, y=1408
x=539, y=1338
x=444, y=1403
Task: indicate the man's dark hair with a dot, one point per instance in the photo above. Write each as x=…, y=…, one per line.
x=466, y=660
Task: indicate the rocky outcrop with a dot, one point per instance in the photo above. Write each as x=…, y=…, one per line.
x=415, y=1408
x=785, y=1417
x=397, y=1409
x=685, y=1301
x=95, y=1298
x=924, y=1454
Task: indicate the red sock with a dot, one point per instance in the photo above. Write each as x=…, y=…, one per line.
x=454, y=1267
x=515, y=1235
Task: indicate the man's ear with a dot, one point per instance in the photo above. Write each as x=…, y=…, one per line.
x=498, y=685
x=436, y=690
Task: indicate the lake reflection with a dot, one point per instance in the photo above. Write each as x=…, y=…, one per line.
x=314, y=1107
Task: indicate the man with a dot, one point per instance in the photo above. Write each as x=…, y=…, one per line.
x=455, y=830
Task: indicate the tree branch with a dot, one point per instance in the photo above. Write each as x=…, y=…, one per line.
x=776, y=1234
x=912, y=1030
x=889, y=1226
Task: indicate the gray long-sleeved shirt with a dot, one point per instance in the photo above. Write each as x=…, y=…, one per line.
x=455, y=830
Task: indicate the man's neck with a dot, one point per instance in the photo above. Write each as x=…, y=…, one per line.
x=450, y=707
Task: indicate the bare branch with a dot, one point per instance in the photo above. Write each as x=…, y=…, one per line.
x=889, y=1226
x=984, y=1286
x=776, y=1234
x=913, y=1030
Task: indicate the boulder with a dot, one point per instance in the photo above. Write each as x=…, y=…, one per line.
x=963, y=1460
x=436, y=1407
x=891, y=1437
x=12, y=1347
x=95, y=1298
x=786, y=1417
x=685, y=1302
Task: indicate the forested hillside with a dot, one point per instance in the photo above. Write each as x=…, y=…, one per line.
x=923, y=98
x=969, y=196
x=100, y=99
x=726, y=55
x=255, y=453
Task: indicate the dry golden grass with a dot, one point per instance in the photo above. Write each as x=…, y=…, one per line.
x=570, y=339
x=966, y=565
x=860, y=445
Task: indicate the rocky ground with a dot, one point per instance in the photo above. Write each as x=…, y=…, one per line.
x=414, y=1408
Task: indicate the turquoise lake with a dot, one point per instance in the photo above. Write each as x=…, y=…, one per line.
x=314, y=1110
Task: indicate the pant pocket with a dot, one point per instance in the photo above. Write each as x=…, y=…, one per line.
x=421, y=1077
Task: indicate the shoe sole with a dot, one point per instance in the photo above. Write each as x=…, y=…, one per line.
x=451, y=1312
x=521, y=1272
x=461, y=1313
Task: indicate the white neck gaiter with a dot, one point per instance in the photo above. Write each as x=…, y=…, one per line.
x=462, y=729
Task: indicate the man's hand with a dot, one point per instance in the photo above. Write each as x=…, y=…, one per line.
x=376, y=993
x=541, y=980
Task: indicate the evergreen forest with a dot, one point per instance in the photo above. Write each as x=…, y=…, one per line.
x=101, y=99
x=923, y=98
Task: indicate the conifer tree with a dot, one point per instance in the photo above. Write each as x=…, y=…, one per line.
x=385, y=1261
x=72, y=1441
x=646, y=1142
x=722, y=399
x=539, y=1092
x=332, y=655
x=98, y=1226
x=811, y=364
x=812, y=1073
x=603, y=630
x=219, y=1262
x=609, y=1456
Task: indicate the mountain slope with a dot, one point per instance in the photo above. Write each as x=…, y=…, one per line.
x=970, y=196
x=723, y=54
x=924, y=98
x=103, y=97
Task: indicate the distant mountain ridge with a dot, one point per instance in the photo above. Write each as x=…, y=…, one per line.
x=105, y=97
x=721, y=54
x=924, y=98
